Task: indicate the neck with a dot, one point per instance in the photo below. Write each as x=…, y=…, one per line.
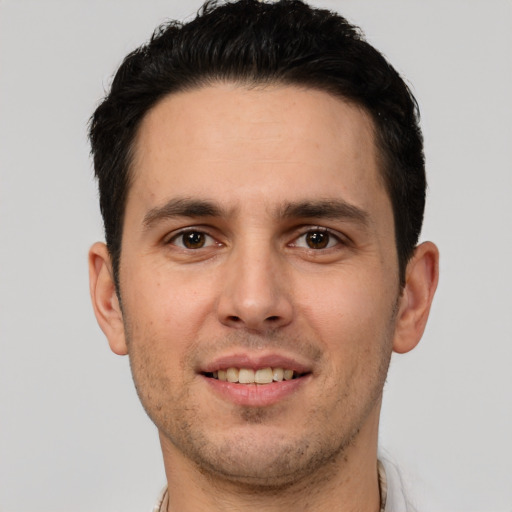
x=347, y=483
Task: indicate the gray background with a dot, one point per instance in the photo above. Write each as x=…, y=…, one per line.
x=73, y=436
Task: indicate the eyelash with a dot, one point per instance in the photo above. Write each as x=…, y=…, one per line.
x=331, y=237
x=191, y=231
x=209, y=240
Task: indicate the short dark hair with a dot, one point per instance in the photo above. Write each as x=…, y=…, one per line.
x=253, y=42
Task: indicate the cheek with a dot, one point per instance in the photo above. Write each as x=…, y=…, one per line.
x=348, y=312
x=162, y=319
x=165, y=310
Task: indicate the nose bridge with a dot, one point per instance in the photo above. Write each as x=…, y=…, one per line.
x=254, y=293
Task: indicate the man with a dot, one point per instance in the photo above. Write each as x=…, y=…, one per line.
x=262, y=186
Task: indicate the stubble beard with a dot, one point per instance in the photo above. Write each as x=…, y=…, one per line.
x=278, y=463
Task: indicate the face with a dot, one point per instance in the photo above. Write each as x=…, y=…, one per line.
x=258, y=243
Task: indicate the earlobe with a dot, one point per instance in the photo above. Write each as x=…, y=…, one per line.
x=421, y=282
x=104, y=298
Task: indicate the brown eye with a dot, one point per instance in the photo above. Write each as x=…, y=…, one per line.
x=317, y=239
x=193, y=239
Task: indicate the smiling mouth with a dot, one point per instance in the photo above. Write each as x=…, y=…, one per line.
x=250, y=376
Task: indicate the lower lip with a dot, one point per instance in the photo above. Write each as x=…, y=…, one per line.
x=256, y=395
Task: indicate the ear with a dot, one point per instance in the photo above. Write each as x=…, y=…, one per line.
x=104, y=298
x=421, y=279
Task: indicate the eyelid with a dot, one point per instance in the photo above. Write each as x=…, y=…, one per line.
x=340, y=238
x=212, y=240
x=175, y=235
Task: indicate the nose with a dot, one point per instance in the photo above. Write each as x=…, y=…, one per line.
x=255, y=292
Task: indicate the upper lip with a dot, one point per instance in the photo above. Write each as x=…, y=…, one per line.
x=255, y=362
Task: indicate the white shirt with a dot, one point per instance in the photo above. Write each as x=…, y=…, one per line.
x=393, y=497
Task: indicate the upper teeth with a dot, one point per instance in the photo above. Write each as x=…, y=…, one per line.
x=249, y=376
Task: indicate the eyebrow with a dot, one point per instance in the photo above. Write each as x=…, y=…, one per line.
x=181, y=207
x=325, y=209
x=320, y=209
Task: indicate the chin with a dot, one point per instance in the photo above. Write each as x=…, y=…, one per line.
x=263, y=458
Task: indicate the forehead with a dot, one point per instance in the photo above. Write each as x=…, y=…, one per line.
x=271, y=141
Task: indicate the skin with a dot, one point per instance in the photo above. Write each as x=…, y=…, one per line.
x=256, y=285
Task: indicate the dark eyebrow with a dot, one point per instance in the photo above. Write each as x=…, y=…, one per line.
x=326, y=209
x=188, y=207
x=181, y=207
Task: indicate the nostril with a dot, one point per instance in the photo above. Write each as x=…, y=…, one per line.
x=233, y=318
x=272, y=318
